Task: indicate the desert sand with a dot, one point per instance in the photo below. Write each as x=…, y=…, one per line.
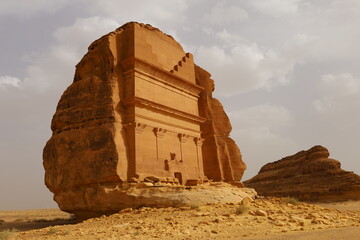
x=264, y=218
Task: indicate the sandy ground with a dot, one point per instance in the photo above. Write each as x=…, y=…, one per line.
x=24, y=220
x=263, y=219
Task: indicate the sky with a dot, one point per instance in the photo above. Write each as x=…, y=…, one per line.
x=286, y=71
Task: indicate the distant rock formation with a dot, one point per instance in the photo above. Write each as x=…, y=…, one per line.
x=139, y=114
x=308, y=176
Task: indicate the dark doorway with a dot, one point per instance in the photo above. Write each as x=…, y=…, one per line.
x=167, y=167
x=178, y=176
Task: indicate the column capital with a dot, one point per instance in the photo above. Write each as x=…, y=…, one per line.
x=159, y=132
x=199, y=141
x=183, y=137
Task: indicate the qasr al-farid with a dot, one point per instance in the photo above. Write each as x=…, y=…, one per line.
x=139, y=116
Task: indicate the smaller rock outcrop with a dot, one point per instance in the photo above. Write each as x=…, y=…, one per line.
x=308, y=176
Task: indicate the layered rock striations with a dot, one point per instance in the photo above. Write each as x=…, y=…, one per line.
x=139, y=114
x=308, y=175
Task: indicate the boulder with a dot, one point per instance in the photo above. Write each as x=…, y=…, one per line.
x=308, y=176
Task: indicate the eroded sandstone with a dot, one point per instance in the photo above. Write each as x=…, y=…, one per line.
x=139, y=114
x=307, y=175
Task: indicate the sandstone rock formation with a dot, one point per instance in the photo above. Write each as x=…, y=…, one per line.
x=308, y=175
x=220, y=152
x=139, y=114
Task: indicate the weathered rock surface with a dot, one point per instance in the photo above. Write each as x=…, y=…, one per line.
x=216, y=130
x=137, y=195
x=138, y=112
x=308, y=175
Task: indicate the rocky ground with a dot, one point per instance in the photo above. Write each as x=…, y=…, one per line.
x=264, y=218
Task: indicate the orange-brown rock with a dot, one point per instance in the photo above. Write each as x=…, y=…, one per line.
x=139, y=114
x=308, y=175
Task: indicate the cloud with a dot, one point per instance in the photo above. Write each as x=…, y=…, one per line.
x=336, y=24
x=225, y=14
x=340, y=93
x=276, y=7
x=261, y=132
x=169, y=16
x=6, y=81
x=30, y=8
x=235, y=70
x=79, y=35
x=144, y=11
x=261, y=115
x=341, y=85
x=243, y=66
x=54, y=67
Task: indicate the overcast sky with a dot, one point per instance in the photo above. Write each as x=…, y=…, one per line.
x=286, y=71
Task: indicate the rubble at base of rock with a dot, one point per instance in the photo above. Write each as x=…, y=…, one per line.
x=274, y=217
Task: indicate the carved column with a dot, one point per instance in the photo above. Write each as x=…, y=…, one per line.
x=182, y=139
x=199, y=142
x=134, y=131
x=159, y=133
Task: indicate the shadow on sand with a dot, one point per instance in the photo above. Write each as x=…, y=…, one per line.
x=36, y=224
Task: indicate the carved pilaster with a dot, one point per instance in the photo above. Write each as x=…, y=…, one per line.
x=182, y=138
x=199, y=142
x=134, y=132
x=159, y=133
